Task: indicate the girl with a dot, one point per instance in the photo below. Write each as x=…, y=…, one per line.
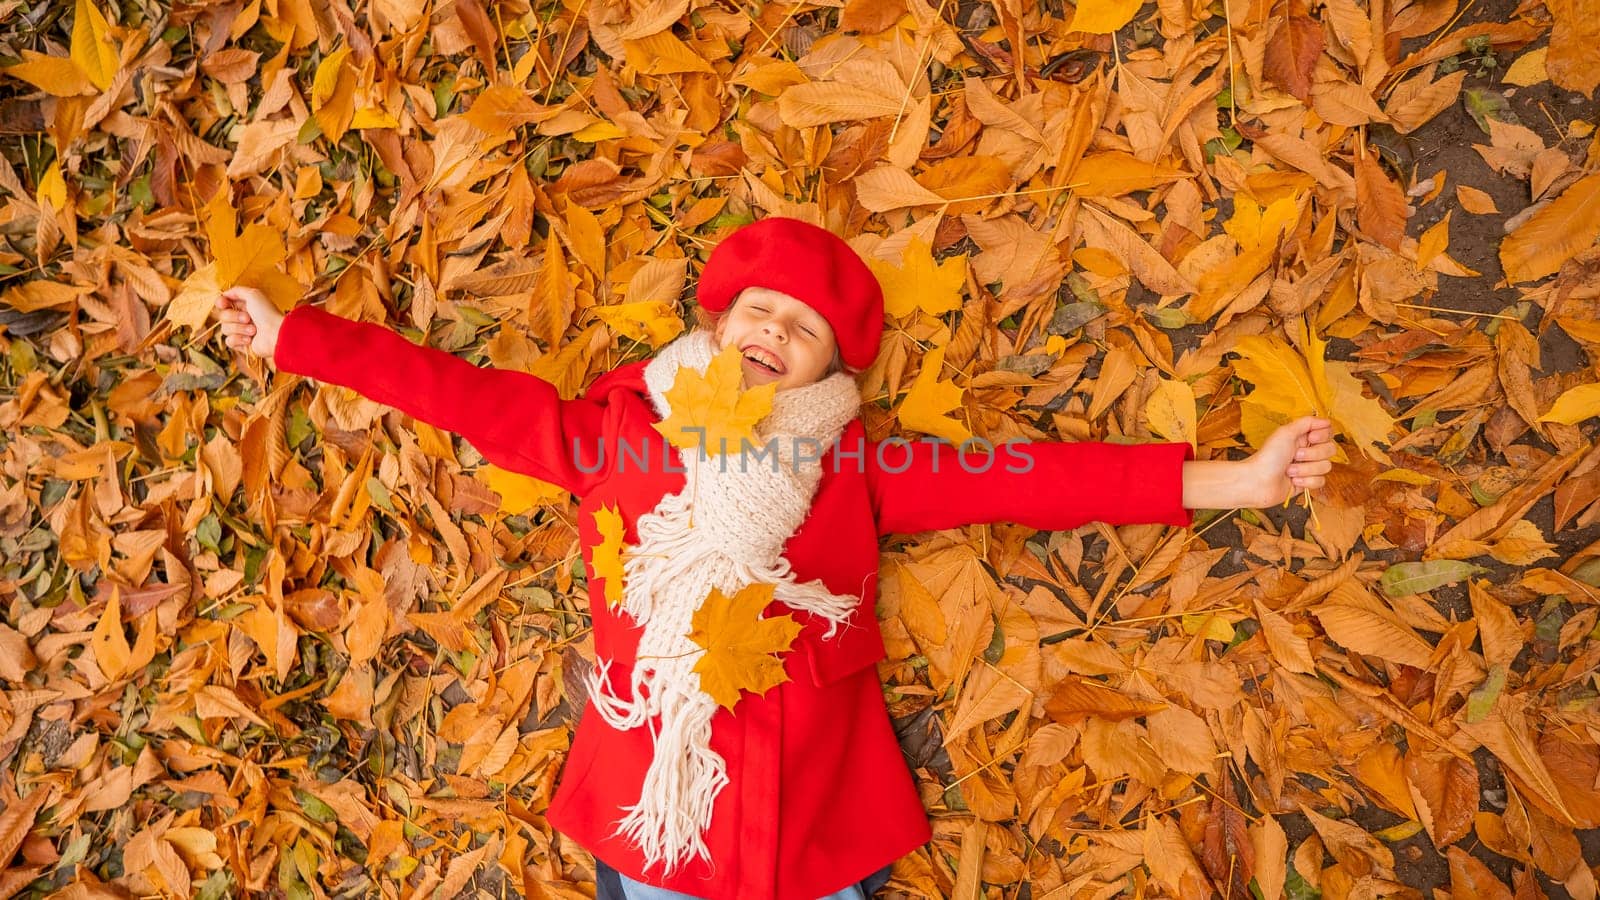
x=799, y=792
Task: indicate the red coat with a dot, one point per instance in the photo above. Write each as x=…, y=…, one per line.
x=819, y=794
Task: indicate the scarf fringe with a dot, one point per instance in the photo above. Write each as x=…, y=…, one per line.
x=676, y=800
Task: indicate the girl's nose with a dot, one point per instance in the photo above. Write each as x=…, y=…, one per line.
x=775, y=330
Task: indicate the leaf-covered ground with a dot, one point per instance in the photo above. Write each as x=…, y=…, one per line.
x=264, y=636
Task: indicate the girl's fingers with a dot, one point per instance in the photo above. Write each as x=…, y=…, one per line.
x=1315, y=452
x=1302, y=470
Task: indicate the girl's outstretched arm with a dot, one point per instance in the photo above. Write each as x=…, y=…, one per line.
x=516, y=420
x=1057, y=485
x=1050, y=485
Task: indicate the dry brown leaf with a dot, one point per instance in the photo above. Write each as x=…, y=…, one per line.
x=1554, y=234
x=1292, y=54
x=1380, y=204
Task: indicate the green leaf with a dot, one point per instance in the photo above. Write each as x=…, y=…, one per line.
x=997, y=646
x=1482, y=698
x=730, y=219
x=298, y=428
x=1483, y=105
x=1404, y=579
x=1297, y=888
x=314, y=808
x=1588, y=573
x=379, y=494
x=1070, y=317
x=23, y=359
x=209, y=533
x=1547, y=627
x=1168, y=318
x=216, y=887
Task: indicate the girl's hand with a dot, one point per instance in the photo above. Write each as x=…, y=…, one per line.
x=249, y=321
x=1294, y=458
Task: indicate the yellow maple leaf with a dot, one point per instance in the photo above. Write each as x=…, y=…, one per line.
x=253, y=258
x=1289, y=385
x=1254, y=226
x=91, y=63
x=1361, y=418
x=919, y=282
x=652, y=321
x=519, y=493
x=606, y=559
x=929, y=399
x=741, y=648
x=713, y=410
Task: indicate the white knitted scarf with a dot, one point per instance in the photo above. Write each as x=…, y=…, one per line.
x=725, y=529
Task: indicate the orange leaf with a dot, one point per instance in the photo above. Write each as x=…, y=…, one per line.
x=1445, y=793
x=1076, y=699
x=1574, y=58
x=1380, y=204
x=55, y=75
x=971, y=180
x=741, y=647
x=17, y=821
x=1292, y=54
x=253, y=258
x=1554, y=234
x=1103, y=16
x=110, y=643
x=1434, y=241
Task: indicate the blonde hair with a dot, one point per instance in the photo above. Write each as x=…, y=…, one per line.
x=709, y=321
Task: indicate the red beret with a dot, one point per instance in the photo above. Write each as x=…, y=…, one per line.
x=808, y=263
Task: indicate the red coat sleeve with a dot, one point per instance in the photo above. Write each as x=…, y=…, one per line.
x=516, y=420
x=1049, y=485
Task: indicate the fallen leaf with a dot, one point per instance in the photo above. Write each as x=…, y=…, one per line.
x=607, y=557
x=712, y=411
x=741, y=647
x=1475, y=201
x=1380, y=204
x=1554, y=234
x=1103, y=16
x=920, y=282
x=1528, y=69
x=1575, y=405
x=928, y=403
x=1292, y=54
x=1075, y=699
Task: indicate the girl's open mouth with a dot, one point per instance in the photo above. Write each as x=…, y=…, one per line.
x=753, y=357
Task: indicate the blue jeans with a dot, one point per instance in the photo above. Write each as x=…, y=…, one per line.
x=614, y=885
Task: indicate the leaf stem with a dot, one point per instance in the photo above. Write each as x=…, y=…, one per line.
x=911, y=85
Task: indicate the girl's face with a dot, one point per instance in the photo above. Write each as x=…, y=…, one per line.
x=783, y=340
